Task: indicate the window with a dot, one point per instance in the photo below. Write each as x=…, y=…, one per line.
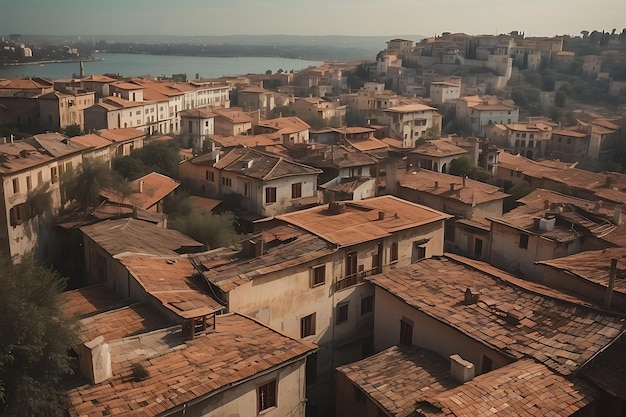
x=16, y=185
x=406, y=332
x=523, y=241
x=17, y=214
x=367, y=305
x=270, y=195
x=39, y=178
x=523, y=144
x=296, y=190
x=351, y=259
x=531, y=143
x=307, y=325
x=318, y=275
x=266, y=396
x=226, y=181
x=394, y=251
x=342, y=313
x=419, y=252
x=54, y=175
x=29, y=183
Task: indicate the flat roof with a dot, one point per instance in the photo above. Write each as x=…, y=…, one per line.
x=181, y=370
x=515, y=317
x=360, y=221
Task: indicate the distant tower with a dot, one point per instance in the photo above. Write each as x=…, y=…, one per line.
x=82, y=69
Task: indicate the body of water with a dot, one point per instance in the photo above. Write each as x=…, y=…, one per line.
x=132, y=65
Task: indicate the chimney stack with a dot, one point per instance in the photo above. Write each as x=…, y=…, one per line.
x=617, y=215
x=436, y=184
x=141, y=186
x=451, y=186
x=464, y=178
x=95, y=360
x=460, y=369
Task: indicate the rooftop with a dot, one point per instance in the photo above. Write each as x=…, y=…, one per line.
x=87, y=301
x=513, y=316
x=409, y=108
x=466, y=190
x=285, y=125
x=360, y=221
x=91, y=141
x=594, y=266
x=439, y=148
x=523, y=388
x=121, y=135
x=234, y=115
x=130, y=235
x=149, y=190
x=399, y=377
x=261, y=165
x=170, y=281
x=238, y=350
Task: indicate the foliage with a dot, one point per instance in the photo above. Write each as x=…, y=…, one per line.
x=39, y=201
x=432, y=133
x=284, y=111
x=129, y=167
x=85, y=183
x=72, y=130
x=139, y=371
x=559, y=99
x=463, y=167
x=35, y=339
x=354, y=118
x=517, y=191
x=161, y=156
x=214, y=230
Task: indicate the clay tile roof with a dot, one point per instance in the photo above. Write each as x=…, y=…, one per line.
x=608, y=370
x=286, y=124
x=197, y=113
x=130, y=235
x=244, y=140
x=87, y=301
x=474, y=192
x=261, y=165
x=99, y=79
x=439, y=148
x=234, y=115
x=399, y=377
x=207, y=204
x=523, y=388
x=122, y=85
x=284, y=247
x=513, y=316
x=121, y=135
x=170, y=281
x=593, y=266
x=359, y=221
x=409, y=108
x=239, y=348
x=91, y=140
x=122, y=322
x=149, y=190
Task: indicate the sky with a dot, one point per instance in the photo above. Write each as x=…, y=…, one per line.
x=311, y=17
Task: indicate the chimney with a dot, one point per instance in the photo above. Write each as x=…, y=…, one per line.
x=471, y=296
x=381, y=215
x=460, y=369
x=451, y=186
x=546, y=204
x=608, y=296
x=436, y=184
x=141, y=186
x=464, y=178
x=617, y=215
x=95, y=360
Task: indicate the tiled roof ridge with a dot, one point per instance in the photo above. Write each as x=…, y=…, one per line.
x=528, y=286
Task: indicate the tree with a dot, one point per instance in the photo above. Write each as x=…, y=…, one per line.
x=212, y=229
x=162, y=157
x=559, y=99
x=463, y=167
x=35, y=339
x=72, y=130
x=517, y=191
x=85, y=183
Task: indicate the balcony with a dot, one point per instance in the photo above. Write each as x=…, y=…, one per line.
x=354, y=279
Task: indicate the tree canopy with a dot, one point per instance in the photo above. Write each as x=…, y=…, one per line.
x=85, y=183
x=162, y=157
x=35, y=339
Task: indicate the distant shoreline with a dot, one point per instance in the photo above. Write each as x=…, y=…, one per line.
x=50, y=61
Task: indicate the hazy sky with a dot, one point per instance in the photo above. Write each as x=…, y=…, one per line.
x=312, y=17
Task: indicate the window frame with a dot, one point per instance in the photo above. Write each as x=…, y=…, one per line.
x=269, y=387
x=270, y=195
x=296, y=190
x=314, y=275
x=343, y=313
x=524, y=239
x=307, y=325
x=406, y=332
x=367, y=305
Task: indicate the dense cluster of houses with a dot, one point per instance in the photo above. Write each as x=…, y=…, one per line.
x=372, y=282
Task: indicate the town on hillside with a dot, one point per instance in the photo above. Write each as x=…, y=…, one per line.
x=437, y=231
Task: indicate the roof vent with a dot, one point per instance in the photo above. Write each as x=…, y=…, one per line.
x=471, y=296
x=336, y=207
x=460, y=369
x=381, y=215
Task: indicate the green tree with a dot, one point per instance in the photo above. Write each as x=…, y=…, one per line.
x=463, y=167
x=72, y=130
x=212, y=229
x=84, y=184
x=35, y=339
x=129, y=167
x=517, y=191
x=559, y=99
x=162, y=157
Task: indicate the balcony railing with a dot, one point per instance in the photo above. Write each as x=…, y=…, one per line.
x=354, y=279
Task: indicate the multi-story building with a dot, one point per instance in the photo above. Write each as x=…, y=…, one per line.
x=59, y=110
x=31, y=171
x=475, y=113
x=530, y=139
x=196, y=125
x=410, y=122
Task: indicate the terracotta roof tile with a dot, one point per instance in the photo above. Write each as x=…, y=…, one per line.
x=180, y=371
x=399, y=377
x=360, y=221
x=523, y=388
x=87, y=301
x=551, y=327
x=439, y=148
